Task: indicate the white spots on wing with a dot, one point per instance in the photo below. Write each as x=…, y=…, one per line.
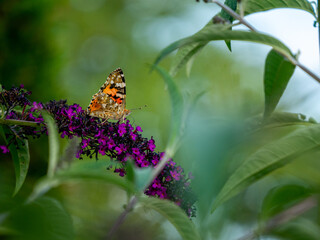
x=120, y=84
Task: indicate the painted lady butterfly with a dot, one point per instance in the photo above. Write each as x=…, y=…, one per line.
x=110, y=101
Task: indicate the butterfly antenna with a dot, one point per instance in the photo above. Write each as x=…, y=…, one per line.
x=139, y=108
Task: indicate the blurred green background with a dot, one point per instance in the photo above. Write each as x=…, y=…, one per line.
x=66, y=49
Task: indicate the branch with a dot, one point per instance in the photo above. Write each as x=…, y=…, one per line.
x=122, y=217
x=283, y=217
x=18, y=122
x=247, y=24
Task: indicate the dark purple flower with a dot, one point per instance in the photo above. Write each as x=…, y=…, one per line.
x=85, y=143
x=151, y=145
x=145, y=164
x=111, y=144
x=4, y=149
x=120, y=171
x=175, y=175
x=122, y=129
x=135, y=151
x=138, y=129
x=133, y=136
x=155, y=160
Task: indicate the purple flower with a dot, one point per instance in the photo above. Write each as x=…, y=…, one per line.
x=102, y=151
x=151, y=145
x=4, y=149
x=175, y=175
x=155, y=160
x=36, y=106
x=122, y=129
x=156, y=184
x=135, y=151
x=120, y=171
x=145, y=164
x=133, y=136
x=111, y=144
x=85, y=143
x=139, y=159
x=138, y=129
x=102, y=140
x=120, y=149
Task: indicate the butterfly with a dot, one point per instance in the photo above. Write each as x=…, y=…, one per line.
x=110, y=101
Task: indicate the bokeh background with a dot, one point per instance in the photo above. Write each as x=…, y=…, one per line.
x=65, y=49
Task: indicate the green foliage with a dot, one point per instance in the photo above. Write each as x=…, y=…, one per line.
x=300, y=229
x=53, y=143
x=20, y=157
x=45, y=218
x=277, y=73
x=218, y=32
x=178, y=112
x=81, y=171
x=173, y=214
x=269, y=158
x=255, y=6
x=139, y=177
x=281, y=198
x=233, y=150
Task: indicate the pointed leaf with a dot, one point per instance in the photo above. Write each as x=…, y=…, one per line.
x=222, y=32
x=53, y=143
x=44, y=218
x=299, y=229
x=277, y=73
x=254, y=6
x=142, y=177
x=233, y=5
x=269, y=158
x=178, y=109
x=20, y=156
x=82, y=171
x=174, y=214
x=184, y=56
x=280, y=198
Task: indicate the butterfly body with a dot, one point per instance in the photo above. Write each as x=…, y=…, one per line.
x=110, y=101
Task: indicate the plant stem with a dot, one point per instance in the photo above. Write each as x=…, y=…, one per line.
x=18, y=122
x=134, y=199
x=248, y=25
x=283, y=218
x=122, y=217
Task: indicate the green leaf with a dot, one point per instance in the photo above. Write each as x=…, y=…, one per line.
x=82, y=171
x=20, y=156
x=233, y=5
x=174, y=214
x=178, y=110
x=277, y=73
x=269, y=158
x=53, y=143
x=254, y=6
x=280, y=198
x=222, y=32
x=44, y=218
x=184, y=56
x=142, y=177
x=299, y=229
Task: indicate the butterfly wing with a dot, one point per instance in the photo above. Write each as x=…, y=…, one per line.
x=110, y=101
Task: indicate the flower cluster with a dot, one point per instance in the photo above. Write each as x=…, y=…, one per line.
x=119, y=141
